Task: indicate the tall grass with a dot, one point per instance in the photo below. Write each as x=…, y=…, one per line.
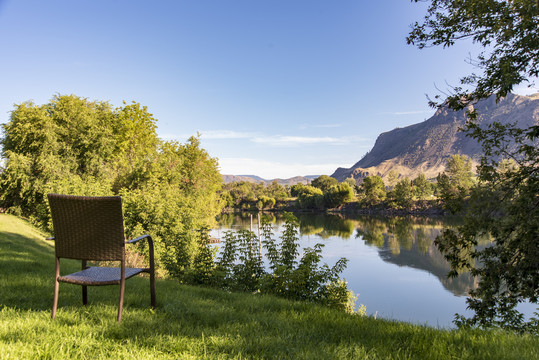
x=196, y=322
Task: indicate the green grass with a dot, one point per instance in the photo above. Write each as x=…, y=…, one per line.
x=193, y=323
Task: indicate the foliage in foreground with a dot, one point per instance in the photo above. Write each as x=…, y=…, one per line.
x=505, y=30
x=504, y=205
x=240, y=267
x=80, y=147
x=194, y=322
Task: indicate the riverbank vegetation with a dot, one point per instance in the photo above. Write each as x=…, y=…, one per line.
x=265, y=265
x=371, y=194
x=197, y=322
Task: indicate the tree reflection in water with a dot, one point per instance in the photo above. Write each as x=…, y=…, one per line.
x=403, y=241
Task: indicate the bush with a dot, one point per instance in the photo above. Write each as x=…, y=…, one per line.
x=338, y=195
x=310, y=198
x=239, y=267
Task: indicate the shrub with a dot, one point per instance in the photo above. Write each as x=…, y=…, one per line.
x=310, y=198
x=239, y=267
x=338, y=195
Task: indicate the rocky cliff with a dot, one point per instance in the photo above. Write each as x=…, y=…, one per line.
x=426, y=146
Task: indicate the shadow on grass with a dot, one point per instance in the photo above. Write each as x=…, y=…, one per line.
x=27, y=277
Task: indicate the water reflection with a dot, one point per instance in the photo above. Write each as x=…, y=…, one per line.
x=409, y=241
x=402, y=241
x=393, y=264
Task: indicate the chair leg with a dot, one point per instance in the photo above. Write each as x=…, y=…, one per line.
x=84, y=295
x=152, y=289
x=84, y=288
x=122, y=291
x=56, y=288
x=152, y=271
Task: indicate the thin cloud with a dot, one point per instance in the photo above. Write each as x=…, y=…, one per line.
x=328, y=126
x=211, y=135
x=279, y=140
x=320, y=126
x=224, y=134
x=272, y=140
x=413, y=112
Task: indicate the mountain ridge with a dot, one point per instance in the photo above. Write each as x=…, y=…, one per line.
x=256, y=179
x=425, y=147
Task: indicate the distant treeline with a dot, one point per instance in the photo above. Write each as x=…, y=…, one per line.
x=324, y=192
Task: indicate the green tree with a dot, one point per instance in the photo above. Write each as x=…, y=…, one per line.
x=402, y=195
x=392, y=179
x=351, y=182
x=240, y=192
x=68, y=143
x=421, y=187
x=324, y=182
x=136, y=145
x=276, y=191
x=76, y=146
x=455, y=183
x=373, y=189
x=296, y=189
x=310, y=197
x=338, y=195
x=504, y=204
x=265, y=202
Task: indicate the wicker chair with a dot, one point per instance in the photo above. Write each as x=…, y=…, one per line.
x=91, y=228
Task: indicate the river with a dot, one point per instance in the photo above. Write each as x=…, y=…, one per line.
x=394, y=266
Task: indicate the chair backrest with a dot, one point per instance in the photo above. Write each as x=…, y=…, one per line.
x=88, y=227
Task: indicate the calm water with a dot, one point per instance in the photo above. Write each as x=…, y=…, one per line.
x=393, y=264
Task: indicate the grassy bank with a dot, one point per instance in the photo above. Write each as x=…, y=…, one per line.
x=192, y=322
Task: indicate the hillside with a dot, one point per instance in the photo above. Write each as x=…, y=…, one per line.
x=426, y=146
x=256, y=179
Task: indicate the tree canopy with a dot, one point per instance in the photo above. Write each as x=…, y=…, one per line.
x=373, y=189
x=324, y=182
x=507, y=32
x=455, y=182
x=75, y=146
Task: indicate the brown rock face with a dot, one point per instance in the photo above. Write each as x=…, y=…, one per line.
x=426, y=146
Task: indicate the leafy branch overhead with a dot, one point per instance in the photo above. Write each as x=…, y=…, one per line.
x=507, y=32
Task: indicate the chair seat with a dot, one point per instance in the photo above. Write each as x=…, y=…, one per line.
x=94, y=276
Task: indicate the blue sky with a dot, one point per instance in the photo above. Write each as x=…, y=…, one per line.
x=275, y=88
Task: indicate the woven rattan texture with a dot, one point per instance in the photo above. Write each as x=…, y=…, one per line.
x=100, y=276
x=87, y=228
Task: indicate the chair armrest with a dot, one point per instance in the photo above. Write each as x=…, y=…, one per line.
x=150, y=248
x=132, y=241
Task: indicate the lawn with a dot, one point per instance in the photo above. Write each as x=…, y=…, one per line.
x=193, y=322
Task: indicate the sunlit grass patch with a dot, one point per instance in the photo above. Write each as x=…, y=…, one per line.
x=195, y=322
